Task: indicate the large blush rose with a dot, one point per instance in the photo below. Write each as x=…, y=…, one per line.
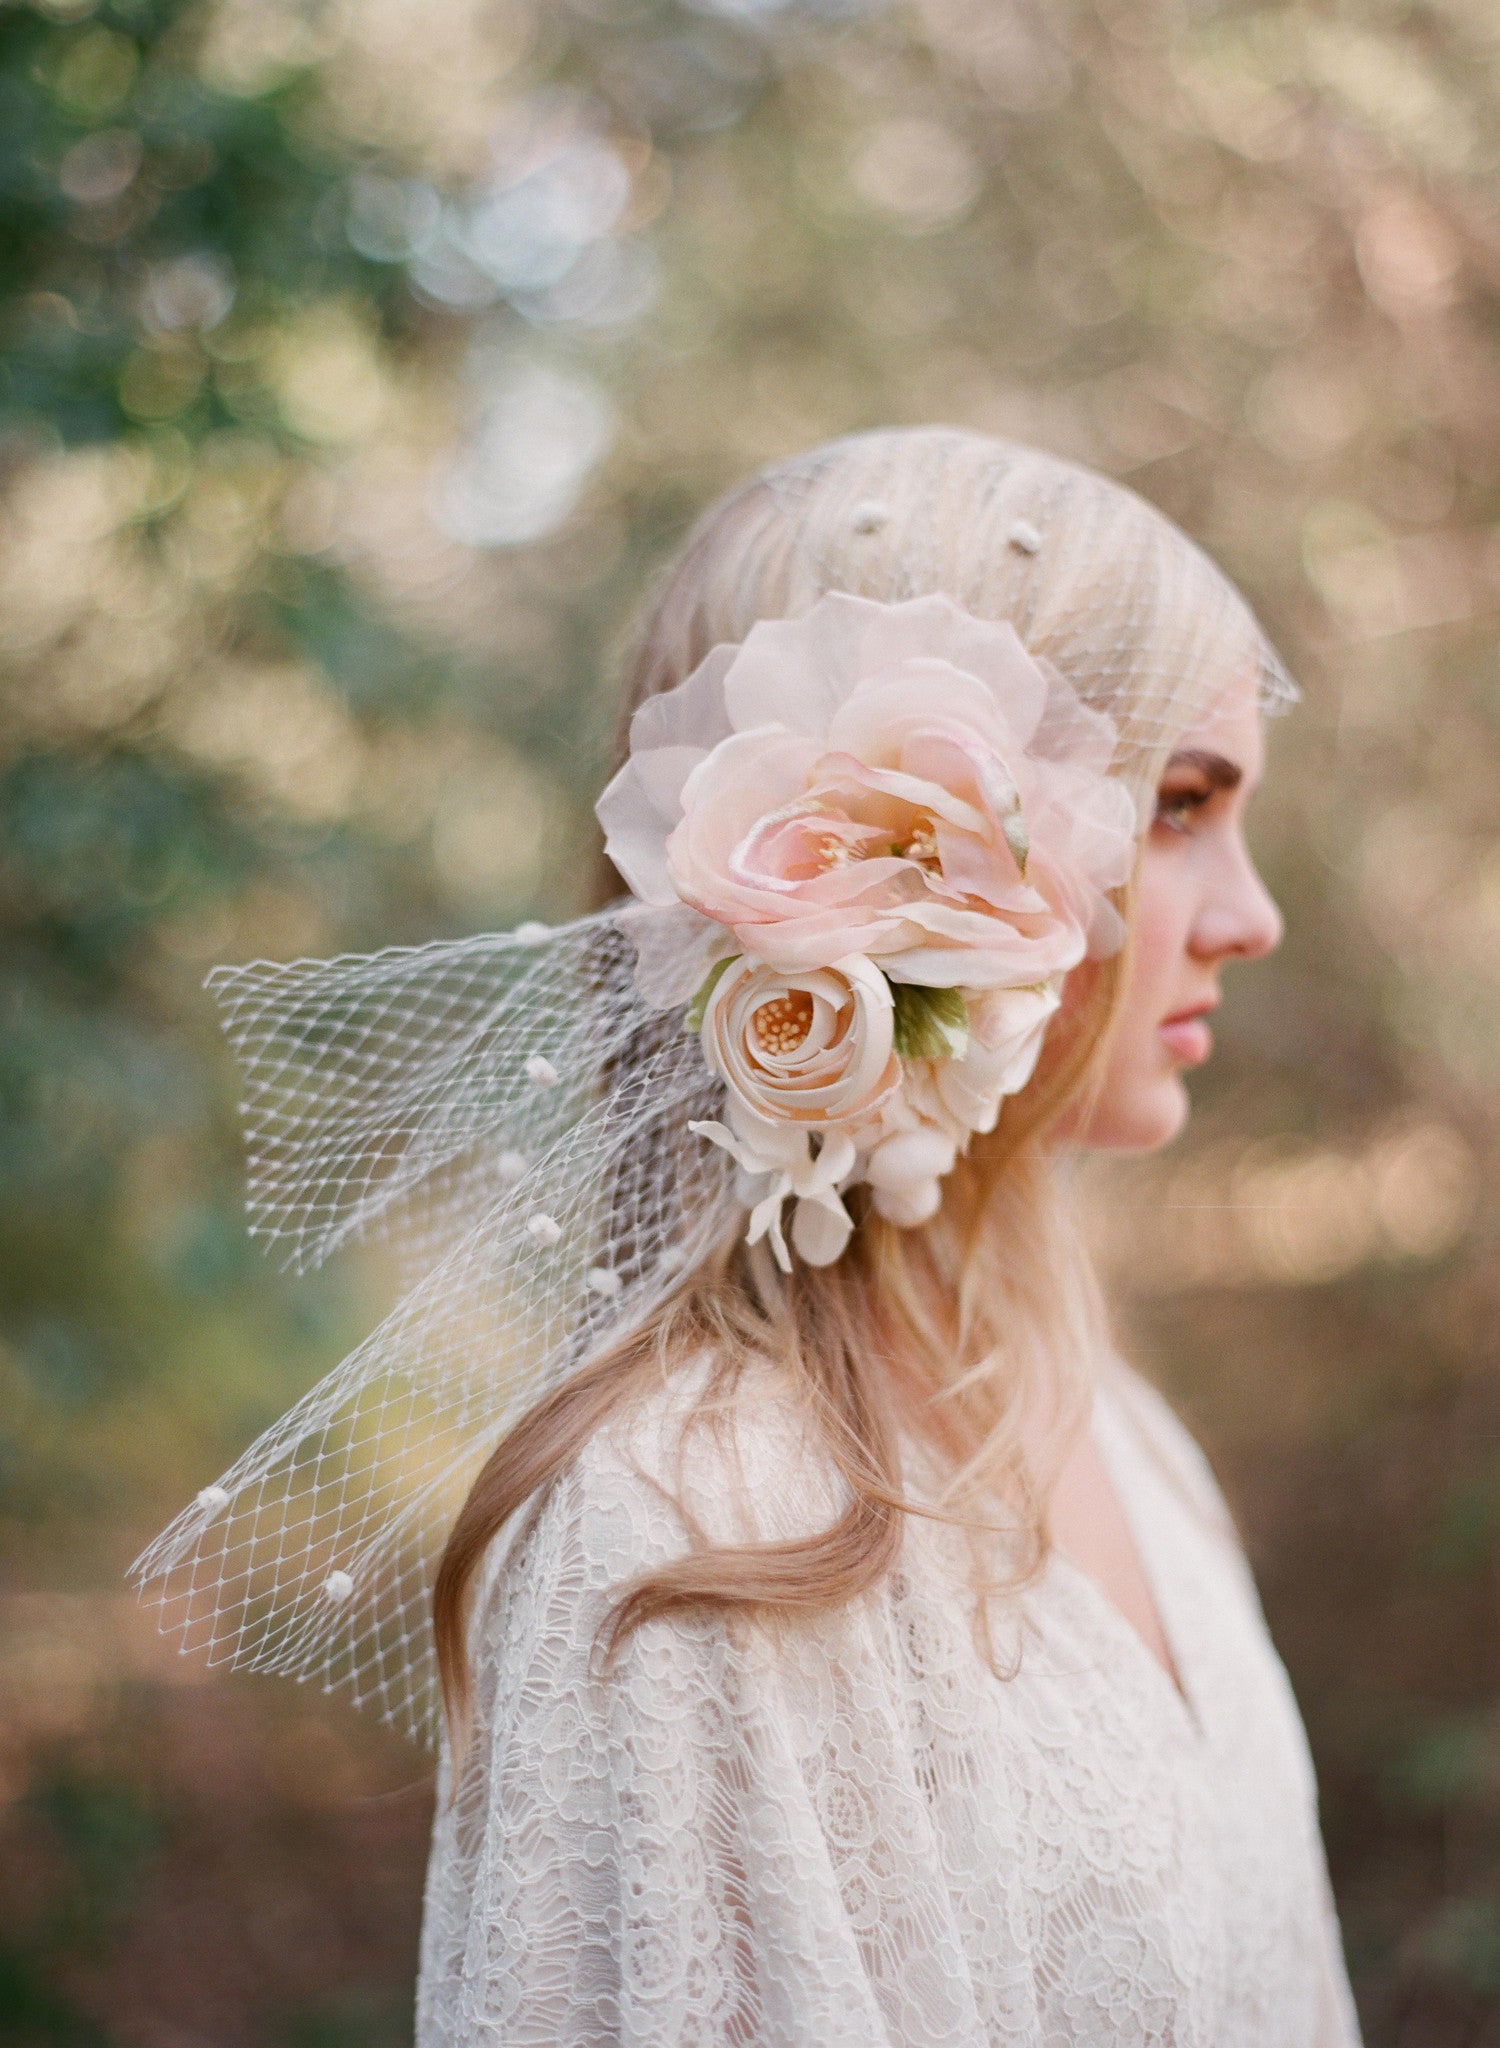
x=814, y=1048
x=901, y=781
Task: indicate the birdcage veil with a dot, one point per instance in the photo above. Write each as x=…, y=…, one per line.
x=1097, y=581
x=511, y=1117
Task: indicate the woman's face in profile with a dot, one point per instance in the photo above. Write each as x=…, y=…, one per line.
x=1199, y=904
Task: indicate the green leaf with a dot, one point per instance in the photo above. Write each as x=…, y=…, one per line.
x=930, y=1023
x=696, y=1009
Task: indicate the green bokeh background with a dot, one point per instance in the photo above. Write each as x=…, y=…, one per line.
x=361, y=361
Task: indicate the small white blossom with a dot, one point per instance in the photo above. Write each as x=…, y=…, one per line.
x=510, y=1167
x=544, y=1228
x=212, y=1498
x=780, y=1165
x=338, y=1586
x=541, y=1071
x=603, y=1282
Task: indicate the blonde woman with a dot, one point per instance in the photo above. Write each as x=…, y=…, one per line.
x=840, y=1645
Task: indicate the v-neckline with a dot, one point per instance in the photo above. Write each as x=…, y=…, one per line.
x=1176, y=1681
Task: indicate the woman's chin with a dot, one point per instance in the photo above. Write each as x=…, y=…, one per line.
x=1138, y=1116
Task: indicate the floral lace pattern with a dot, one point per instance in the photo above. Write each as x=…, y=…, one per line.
x=851, y=1833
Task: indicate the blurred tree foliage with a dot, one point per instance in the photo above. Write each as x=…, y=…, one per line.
x=360, y=358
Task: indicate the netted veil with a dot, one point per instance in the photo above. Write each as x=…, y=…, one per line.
x=513, y=1117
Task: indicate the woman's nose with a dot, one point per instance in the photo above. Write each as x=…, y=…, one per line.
x=1238, y=918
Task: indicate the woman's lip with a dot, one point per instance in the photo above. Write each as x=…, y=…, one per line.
x=1188, y=1037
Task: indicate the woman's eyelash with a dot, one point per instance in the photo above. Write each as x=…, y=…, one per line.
x=1174, y=807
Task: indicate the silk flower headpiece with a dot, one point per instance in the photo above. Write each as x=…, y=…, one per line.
x=864, y=849
x=868, y=844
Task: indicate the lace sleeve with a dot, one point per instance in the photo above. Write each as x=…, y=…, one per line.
x=723, y=1840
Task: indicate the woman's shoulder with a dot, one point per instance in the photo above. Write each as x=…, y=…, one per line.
x=740, y=1454
x=701, y=1459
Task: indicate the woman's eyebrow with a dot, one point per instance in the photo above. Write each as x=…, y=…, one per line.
x=1216, y=769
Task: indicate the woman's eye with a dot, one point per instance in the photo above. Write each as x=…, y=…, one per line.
x=1175, y=808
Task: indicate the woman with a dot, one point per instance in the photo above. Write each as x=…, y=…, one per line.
x=840, y=1645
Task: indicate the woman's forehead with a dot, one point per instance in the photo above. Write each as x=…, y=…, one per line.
x=1231, y=726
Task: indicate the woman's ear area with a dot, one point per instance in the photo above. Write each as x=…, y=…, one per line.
x=1060, y=1098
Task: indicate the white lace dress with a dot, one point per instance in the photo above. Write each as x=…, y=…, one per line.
x=854, y=1834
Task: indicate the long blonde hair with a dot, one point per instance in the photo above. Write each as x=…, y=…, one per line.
x=967, y=1333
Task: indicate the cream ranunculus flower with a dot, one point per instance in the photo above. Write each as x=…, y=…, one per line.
x=814, y=1049
x=804, y=1057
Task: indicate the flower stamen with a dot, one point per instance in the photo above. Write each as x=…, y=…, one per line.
x=780, y=1026
x=922, y=847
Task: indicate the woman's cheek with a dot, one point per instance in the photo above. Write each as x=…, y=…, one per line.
x=1143, y=1102
x=1164, y=886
